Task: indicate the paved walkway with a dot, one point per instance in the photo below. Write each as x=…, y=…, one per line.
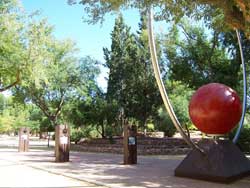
x=38, y=169
x=18, y=175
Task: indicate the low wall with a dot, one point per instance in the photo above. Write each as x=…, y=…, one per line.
x=145, y=146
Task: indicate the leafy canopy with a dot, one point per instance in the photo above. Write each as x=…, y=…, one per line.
x=196, y=59
x=236, y=12
x=22, y=47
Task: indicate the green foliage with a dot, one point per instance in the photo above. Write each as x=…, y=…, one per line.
x=86, y=132
x=6, y=123
x=65, y=77
x=3, y=103
x=229, y=40
x=14, y=116
x=150, y=127
x=35, y=117
x=76, y=135
x=165, y=124
x=94, y=112
x=109, y=132
x=22, y=46
x=121, y=61
x=87, y=105
x=145, y=88
x=193, y=57
x=197, y=60
x=179, y=95
x=235, y=13
x=11, y=46
x=46, y=125
x=63, y=87
x=131, y=82
x=244, y=139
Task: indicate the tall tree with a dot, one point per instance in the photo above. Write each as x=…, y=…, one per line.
x=14, y=115
x=147, y=96
x=196, y=59
x=93, y=112
x=121, y=61
x=63, y=79
x=22, y=41
x=83, y=109
x=11, y=47
x=131, y=82
x=230, y=42
x=180, y=95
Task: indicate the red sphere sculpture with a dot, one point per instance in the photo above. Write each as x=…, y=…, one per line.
x=215, y=109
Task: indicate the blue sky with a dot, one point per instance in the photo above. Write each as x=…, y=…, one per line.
x=68, y=23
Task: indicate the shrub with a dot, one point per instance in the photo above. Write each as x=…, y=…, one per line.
x=179, y=95
x=244, y=139
x=76, y=135
x=109, y=134
x=150, y=127
x=165, y=124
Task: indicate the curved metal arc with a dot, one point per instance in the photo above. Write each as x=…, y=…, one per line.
x=161, y=86
x=244, y=103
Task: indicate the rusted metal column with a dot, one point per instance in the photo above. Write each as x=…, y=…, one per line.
x=23, y=139
x=130, y=144
x=62, y=143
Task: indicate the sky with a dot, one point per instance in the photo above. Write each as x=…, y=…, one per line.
x=68, y=23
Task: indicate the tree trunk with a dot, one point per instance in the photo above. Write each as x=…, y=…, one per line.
x=103, y=130
x=53, y=122
x=40, y=135
x=144, y=125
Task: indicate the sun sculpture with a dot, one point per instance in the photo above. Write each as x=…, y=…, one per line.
x=215, y=109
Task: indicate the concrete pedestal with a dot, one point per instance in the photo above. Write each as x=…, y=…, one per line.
x=223, y=162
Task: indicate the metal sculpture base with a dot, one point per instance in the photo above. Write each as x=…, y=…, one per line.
x=223, y=162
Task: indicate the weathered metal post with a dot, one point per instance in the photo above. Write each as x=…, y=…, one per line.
x=23, y=139
x=62, y=143
x=130, y=144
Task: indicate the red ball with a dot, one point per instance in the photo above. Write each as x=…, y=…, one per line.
x=215, y=108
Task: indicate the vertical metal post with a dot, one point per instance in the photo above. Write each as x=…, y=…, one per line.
x=23, y=139
x=48, y=138
x=130, y=144
x=62, y=139
x=125, y=143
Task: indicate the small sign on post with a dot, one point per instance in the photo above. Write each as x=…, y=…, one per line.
x=130, y=144
x=23, y=139
x=62, y=144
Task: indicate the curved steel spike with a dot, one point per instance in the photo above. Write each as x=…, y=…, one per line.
x=244, y=103
x=161, y=86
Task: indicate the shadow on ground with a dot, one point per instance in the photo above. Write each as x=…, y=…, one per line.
x=108, y=169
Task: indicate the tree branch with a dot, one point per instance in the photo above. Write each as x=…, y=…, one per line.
x=42, y=106
x=188, y=36
x=60, y=105
x=13, y=84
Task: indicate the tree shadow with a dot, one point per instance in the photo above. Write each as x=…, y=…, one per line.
x=108, y=169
